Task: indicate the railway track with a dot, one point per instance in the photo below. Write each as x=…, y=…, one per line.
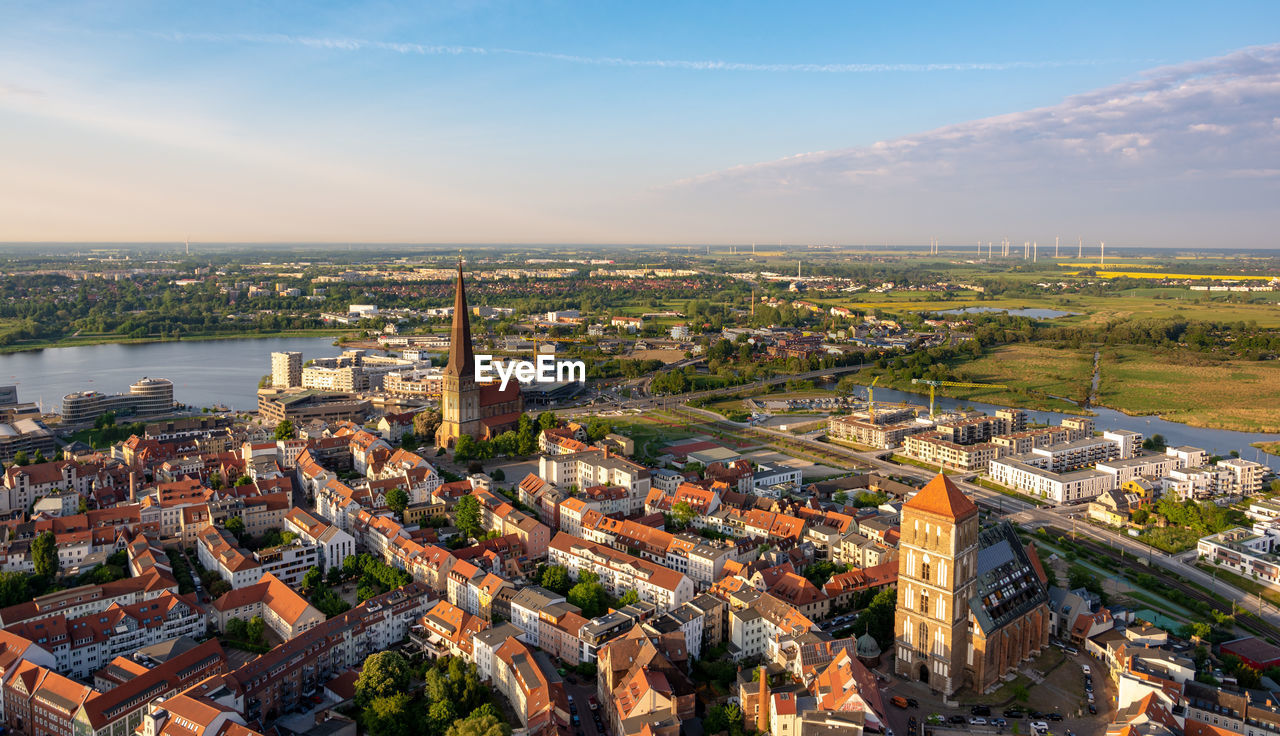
x=1243, y=618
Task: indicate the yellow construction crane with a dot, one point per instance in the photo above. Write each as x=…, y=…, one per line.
x=933, y=385
x=871, y=399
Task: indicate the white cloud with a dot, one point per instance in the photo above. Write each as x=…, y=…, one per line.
x=1179, y=142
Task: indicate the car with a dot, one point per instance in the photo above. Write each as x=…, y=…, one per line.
x=1085, y=669
x=888, y=732
x=1053, y=716
x=573, y=708
x=1040, y=727
x=591, y=701
x=980, y=710
x=1088, y=687
x=1035, y=714
x=958, y=720
x=999, y=722
x=913, y=703
x=1013, y=713
x=1092, y=710
x=977, y=721
x=1089, y=696
x=1070, y=650
x=576, y=720
x=935, y=719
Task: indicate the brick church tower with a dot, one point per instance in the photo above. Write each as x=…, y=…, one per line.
x=937, y=573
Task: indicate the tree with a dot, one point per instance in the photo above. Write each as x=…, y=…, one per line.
x=237, y=629
x=40, y=458
x=235, y=525
x=498, y=474
x=14, y=589
x=840, y=497
x=590, y=597
x=20, y=457
x=384, y=674
x=44, y=554
x=285, y=430
x=479, y=724
x=556, y=578
x=1140, y=516
x=877, y=617
x=243, y=480
x=465, y=449
x=547, y=420
x=397, y=501
x=629, y=597
x=466, y=516
x=388, y=715
x=313, y=579
x=255, y=629
x=598, y=427
x=683, y=512
x=725, y=717
x=425, y=424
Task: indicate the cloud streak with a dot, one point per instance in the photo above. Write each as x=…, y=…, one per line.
x=419, y=49
x=1196, y=144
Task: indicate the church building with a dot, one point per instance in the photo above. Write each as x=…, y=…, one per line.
x=972, y=602
x=480, y=411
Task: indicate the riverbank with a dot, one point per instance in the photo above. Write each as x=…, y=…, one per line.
x=1271, y=448
x=91, y=340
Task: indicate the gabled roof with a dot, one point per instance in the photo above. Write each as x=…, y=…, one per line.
x=941, y=497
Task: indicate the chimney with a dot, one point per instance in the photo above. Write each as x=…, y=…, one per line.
x=762, y=709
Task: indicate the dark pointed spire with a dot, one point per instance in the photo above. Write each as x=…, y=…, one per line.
x=461, y=358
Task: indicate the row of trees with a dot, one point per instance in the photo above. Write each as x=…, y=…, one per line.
x=452, y=702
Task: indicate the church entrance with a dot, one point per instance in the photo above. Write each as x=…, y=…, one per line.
x=924, y=674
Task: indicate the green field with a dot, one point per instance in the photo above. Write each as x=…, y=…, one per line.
x=1237, y=395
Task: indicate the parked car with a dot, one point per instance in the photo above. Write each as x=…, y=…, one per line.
x=1085, y=669
x=591, y=701
x=977, y=721
x=1013, y=713
x=913, y=703
x=958, y=720
x=980, y=710
x=1070, y=650
x=999, y=722
x=1053, y=716
x=1092, y=710
x=1040, y=727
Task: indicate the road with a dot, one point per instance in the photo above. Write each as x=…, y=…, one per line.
x=666, y=402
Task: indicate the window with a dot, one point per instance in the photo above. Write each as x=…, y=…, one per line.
x=924, y=634
x=924, y=602
x=924, y=571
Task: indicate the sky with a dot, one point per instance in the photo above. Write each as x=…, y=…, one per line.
x=1140, y=123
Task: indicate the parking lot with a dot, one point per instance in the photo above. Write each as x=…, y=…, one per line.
x=1058, y=702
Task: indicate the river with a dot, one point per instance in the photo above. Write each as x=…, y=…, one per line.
x=226, y=372
x=204, y=372
x=1215, y=441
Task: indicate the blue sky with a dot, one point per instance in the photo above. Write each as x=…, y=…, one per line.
x=634, y=122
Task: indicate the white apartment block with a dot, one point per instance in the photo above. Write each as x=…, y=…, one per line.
x=1151, y=466
x=620, y=572
x=1078, y=486
x=596, y=468
x=1244, y=477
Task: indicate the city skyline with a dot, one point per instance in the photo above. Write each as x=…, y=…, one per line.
x=566, y=123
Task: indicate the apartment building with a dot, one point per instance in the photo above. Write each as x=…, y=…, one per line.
x=1138, y=466
x=83, y=644
x=333, y=545
x=620, y=572
x=1079, y=486
x=597, y=468
x=1244, y=476
x=280, y=607
x=218, y=551
x=881, y=435
x=934, y=448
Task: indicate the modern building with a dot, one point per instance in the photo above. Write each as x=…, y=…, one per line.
x=275, y=405
x=466, y=407
x=147, y=396
x=286, y=369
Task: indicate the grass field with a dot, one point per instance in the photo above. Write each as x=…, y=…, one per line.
x=1154, y=302
x=1237, y=395
x=1271, y=448
x=1035, y=373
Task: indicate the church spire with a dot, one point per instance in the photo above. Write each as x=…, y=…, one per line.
x=461, y=357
